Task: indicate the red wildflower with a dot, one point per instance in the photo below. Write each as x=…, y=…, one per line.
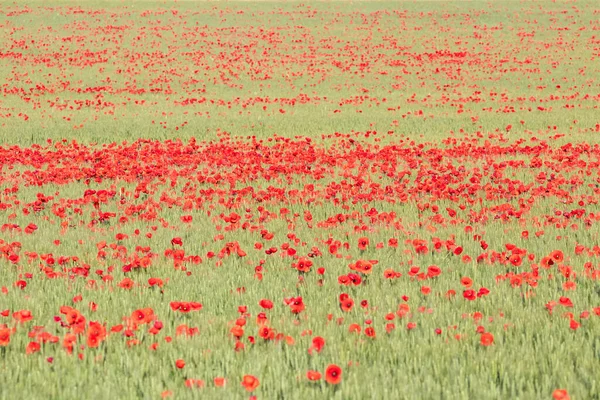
x=32, y=347
x=313, y=375
x=560, y=394
x=557, y=256
x=574, y=325
x=219, y=381
x=487, y=339
x=317, y=344
x=565, y=302
x=266, y=304
x=250, y=382
x=347, y=305
x=363, y=243
x=297, y=305
x=370, y=332
x=433, y=271
x=4, y=337
x=470, y=294
x=466, y=282
x=333, y=374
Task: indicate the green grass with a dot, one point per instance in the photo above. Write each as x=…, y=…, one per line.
x=316, y=56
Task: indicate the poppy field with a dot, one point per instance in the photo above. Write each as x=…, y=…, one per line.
x=293, y=200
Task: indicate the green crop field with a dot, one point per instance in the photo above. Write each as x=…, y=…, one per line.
x=295, y=200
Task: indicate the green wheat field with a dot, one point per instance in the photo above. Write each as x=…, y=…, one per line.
x=300, y=200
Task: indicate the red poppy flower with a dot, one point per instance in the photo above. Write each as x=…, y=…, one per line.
x=266, y=333
x=191, y=383
x=355, y=279
x=403, y=309
x=347, y=305
x=333, y=374
x=370, y=332
x=266, y=304
x=21, y=284
x=565, y=302
x=297, y=305
x=363, y=266
x=250, y=382
x=32, y=347
x=389, y=274
x=516, y=260
x=155, y=282
x=487, y=339
x=433, y=271
x=470, y=294
x=557, y=256
x=237, y=331
x=318, y=343
x=142, y=316
x=560, y=394
x=126, y=283
x=219, y=381
x=574, y=325
x=313, y=375
x=303, y=265
x=23, y=316
x=363, y=243
x=4, y=337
